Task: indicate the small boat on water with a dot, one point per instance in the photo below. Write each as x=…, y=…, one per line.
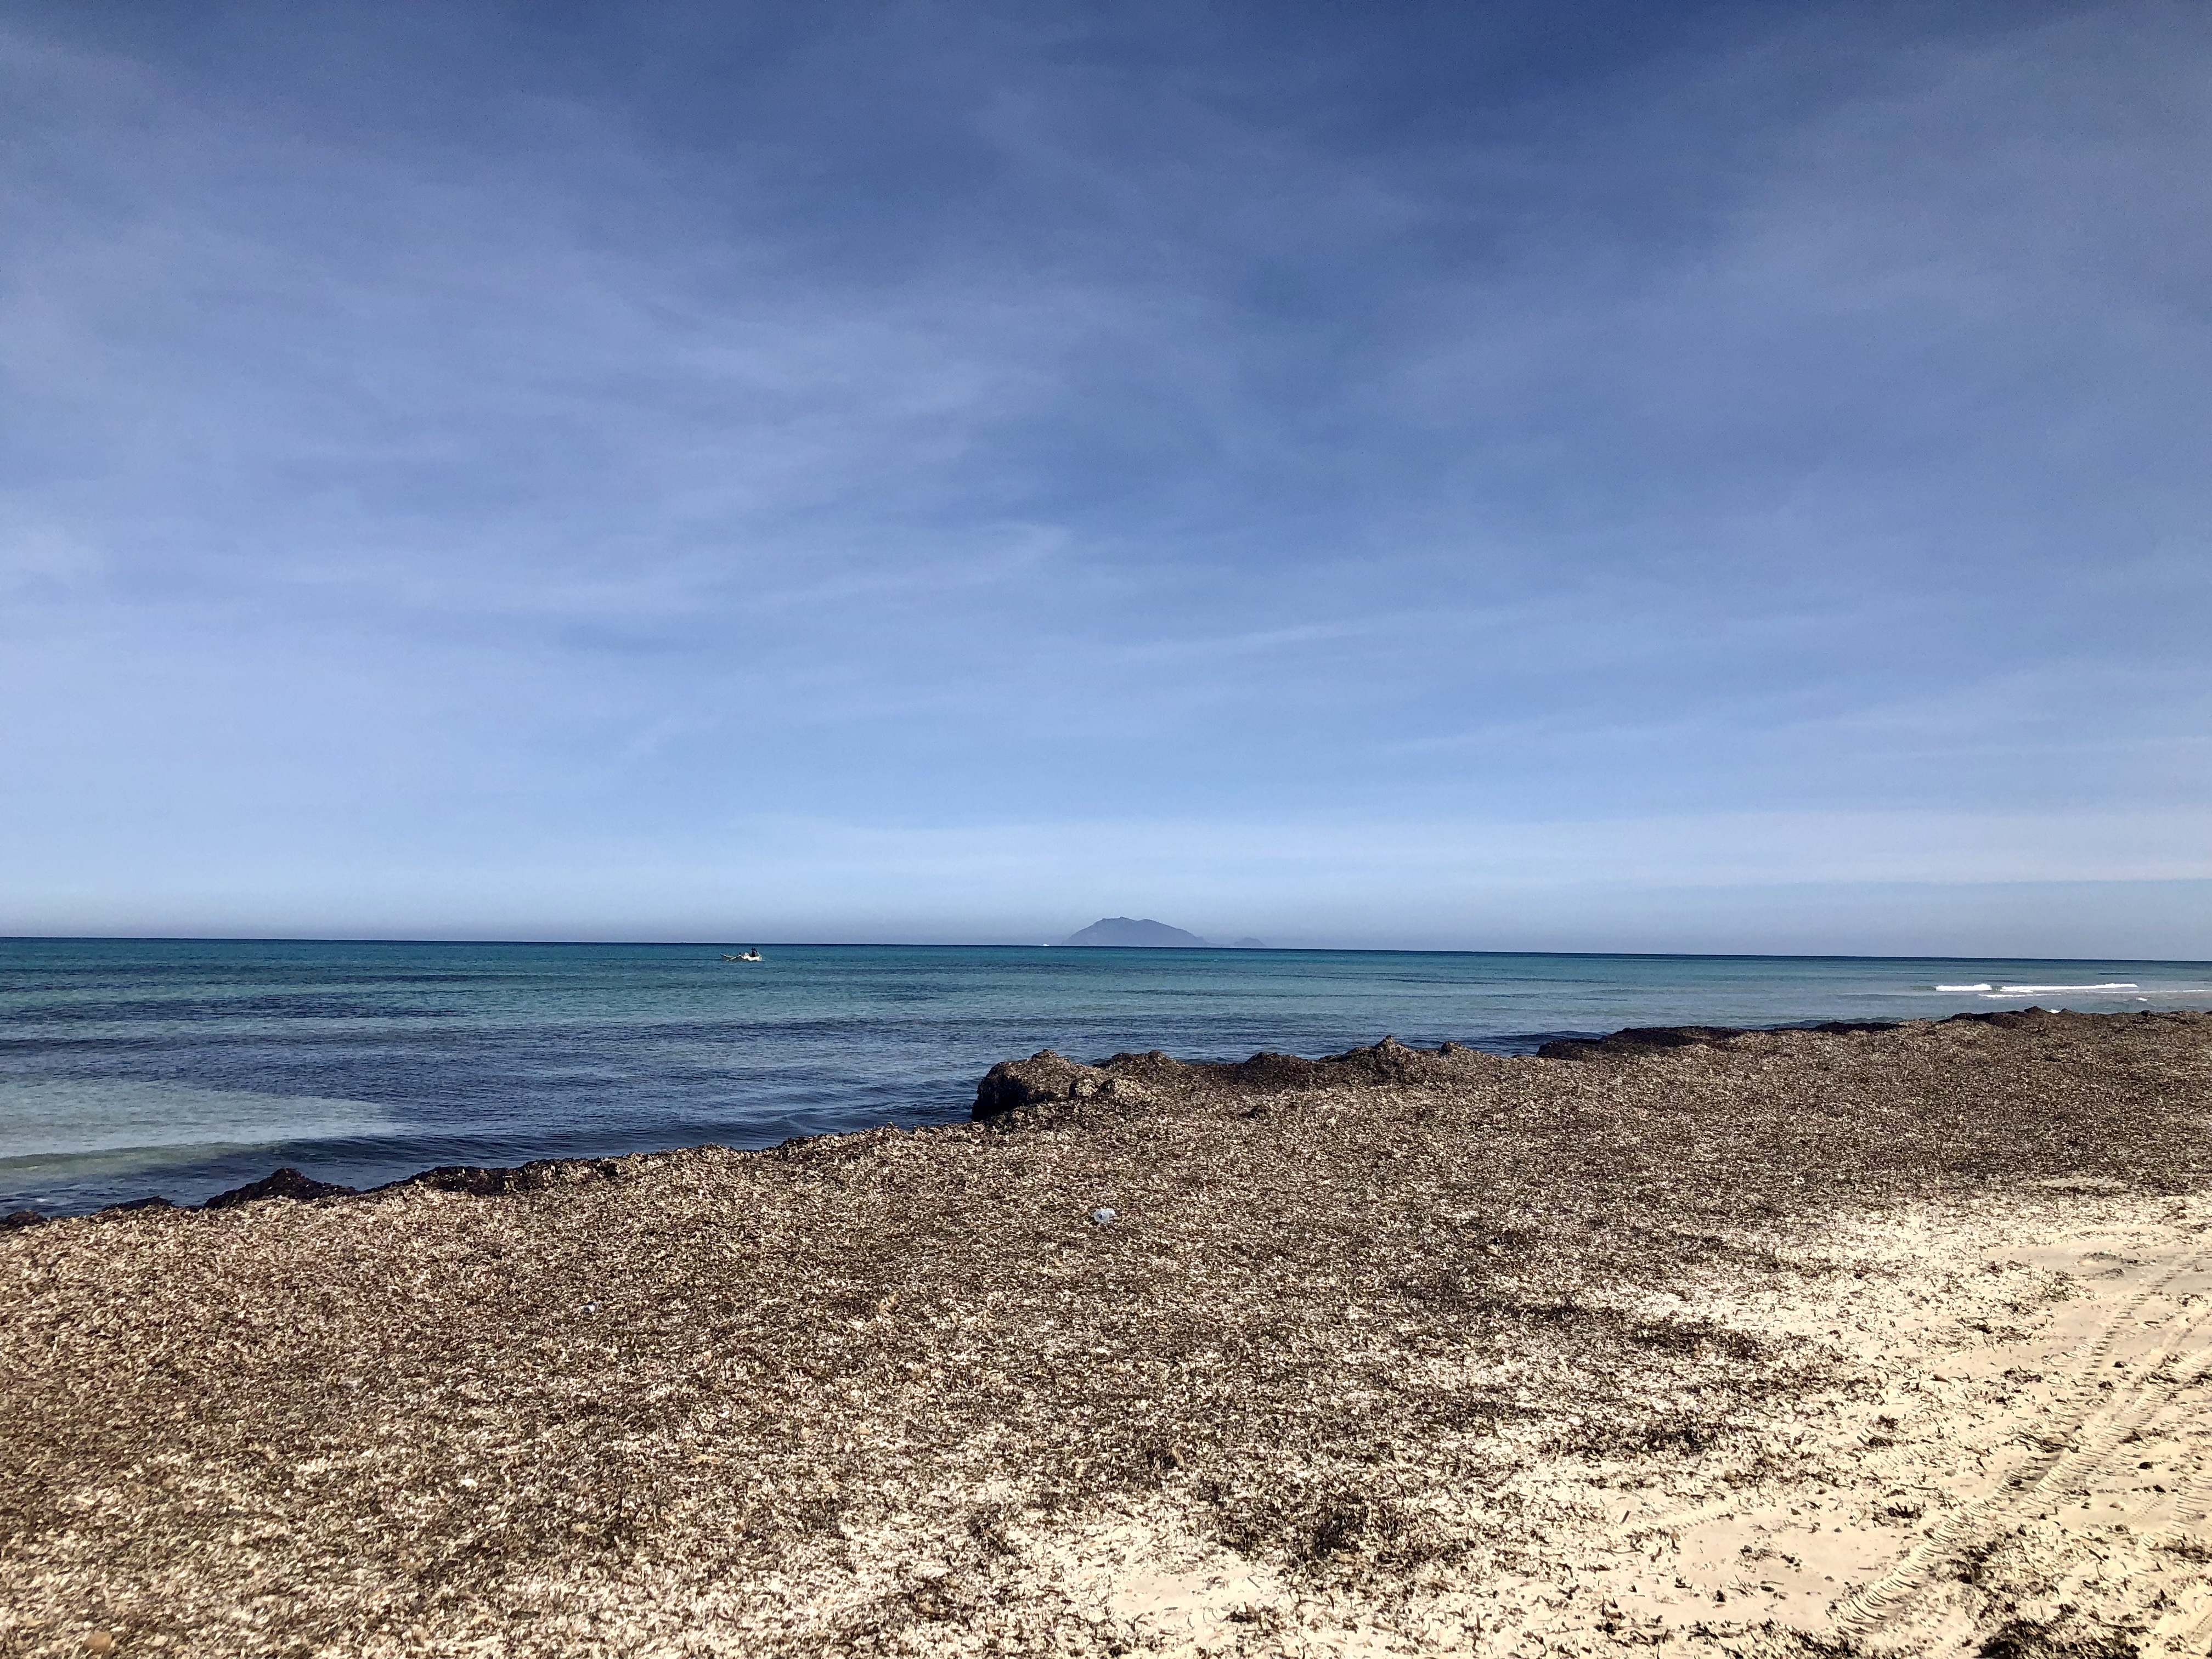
x=752, y=954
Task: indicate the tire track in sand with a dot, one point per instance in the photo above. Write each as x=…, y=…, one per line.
x=2094, y=1419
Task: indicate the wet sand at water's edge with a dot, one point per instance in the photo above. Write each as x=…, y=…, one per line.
x=1854, y=1342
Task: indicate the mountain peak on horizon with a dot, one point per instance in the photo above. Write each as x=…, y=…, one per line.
x=1128, y=930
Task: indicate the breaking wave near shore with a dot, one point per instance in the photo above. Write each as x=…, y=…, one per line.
x=1994, y=992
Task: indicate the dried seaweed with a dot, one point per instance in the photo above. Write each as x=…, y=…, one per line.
x=816, y=1398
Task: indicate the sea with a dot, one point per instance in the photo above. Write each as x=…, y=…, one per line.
x=131, y=1068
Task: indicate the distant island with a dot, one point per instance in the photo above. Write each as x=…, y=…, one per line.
x=1128, y=930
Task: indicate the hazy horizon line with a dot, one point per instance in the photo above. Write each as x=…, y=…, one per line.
x=1054, y=944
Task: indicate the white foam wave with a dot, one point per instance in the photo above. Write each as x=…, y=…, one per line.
x=1984, y=985
x=2160, y=993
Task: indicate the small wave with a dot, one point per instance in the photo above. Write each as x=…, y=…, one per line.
x=1984, y=986
x=2160, y=995
x=130, y=1119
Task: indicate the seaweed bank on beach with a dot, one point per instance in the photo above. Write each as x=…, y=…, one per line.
x=1843, y=1341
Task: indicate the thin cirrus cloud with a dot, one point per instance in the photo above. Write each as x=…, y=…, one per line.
x=462, y=441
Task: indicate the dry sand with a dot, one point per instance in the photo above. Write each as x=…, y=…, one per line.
x=1875, y=1342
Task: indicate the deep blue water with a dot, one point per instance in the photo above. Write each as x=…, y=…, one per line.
x=129, y=1067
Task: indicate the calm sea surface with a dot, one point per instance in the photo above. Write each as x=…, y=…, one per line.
x=130, y=1067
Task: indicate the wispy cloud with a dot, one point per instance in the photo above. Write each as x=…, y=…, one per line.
x=478, y=437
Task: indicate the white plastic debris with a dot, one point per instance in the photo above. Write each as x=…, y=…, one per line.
x=1103, y=1217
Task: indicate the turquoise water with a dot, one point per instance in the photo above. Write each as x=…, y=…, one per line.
x=182, y=1067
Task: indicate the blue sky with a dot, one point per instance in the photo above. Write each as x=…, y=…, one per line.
x=1701, y=477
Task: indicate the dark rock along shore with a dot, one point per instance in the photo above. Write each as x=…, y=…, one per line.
x=811, y=1400
x=1046, y=1077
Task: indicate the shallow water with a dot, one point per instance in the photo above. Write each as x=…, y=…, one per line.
x=130, y=1067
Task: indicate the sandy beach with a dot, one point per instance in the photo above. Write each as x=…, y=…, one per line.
x=1812, y=1343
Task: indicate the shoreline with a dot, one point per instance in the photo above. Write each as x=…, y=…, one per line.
x=288, y=1181
x=1775, y=1342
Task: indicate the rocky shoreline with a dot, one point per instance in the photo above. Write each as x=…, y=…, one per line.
x=1045, y=1077
x=1799, y=1342
x=482, y=1181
